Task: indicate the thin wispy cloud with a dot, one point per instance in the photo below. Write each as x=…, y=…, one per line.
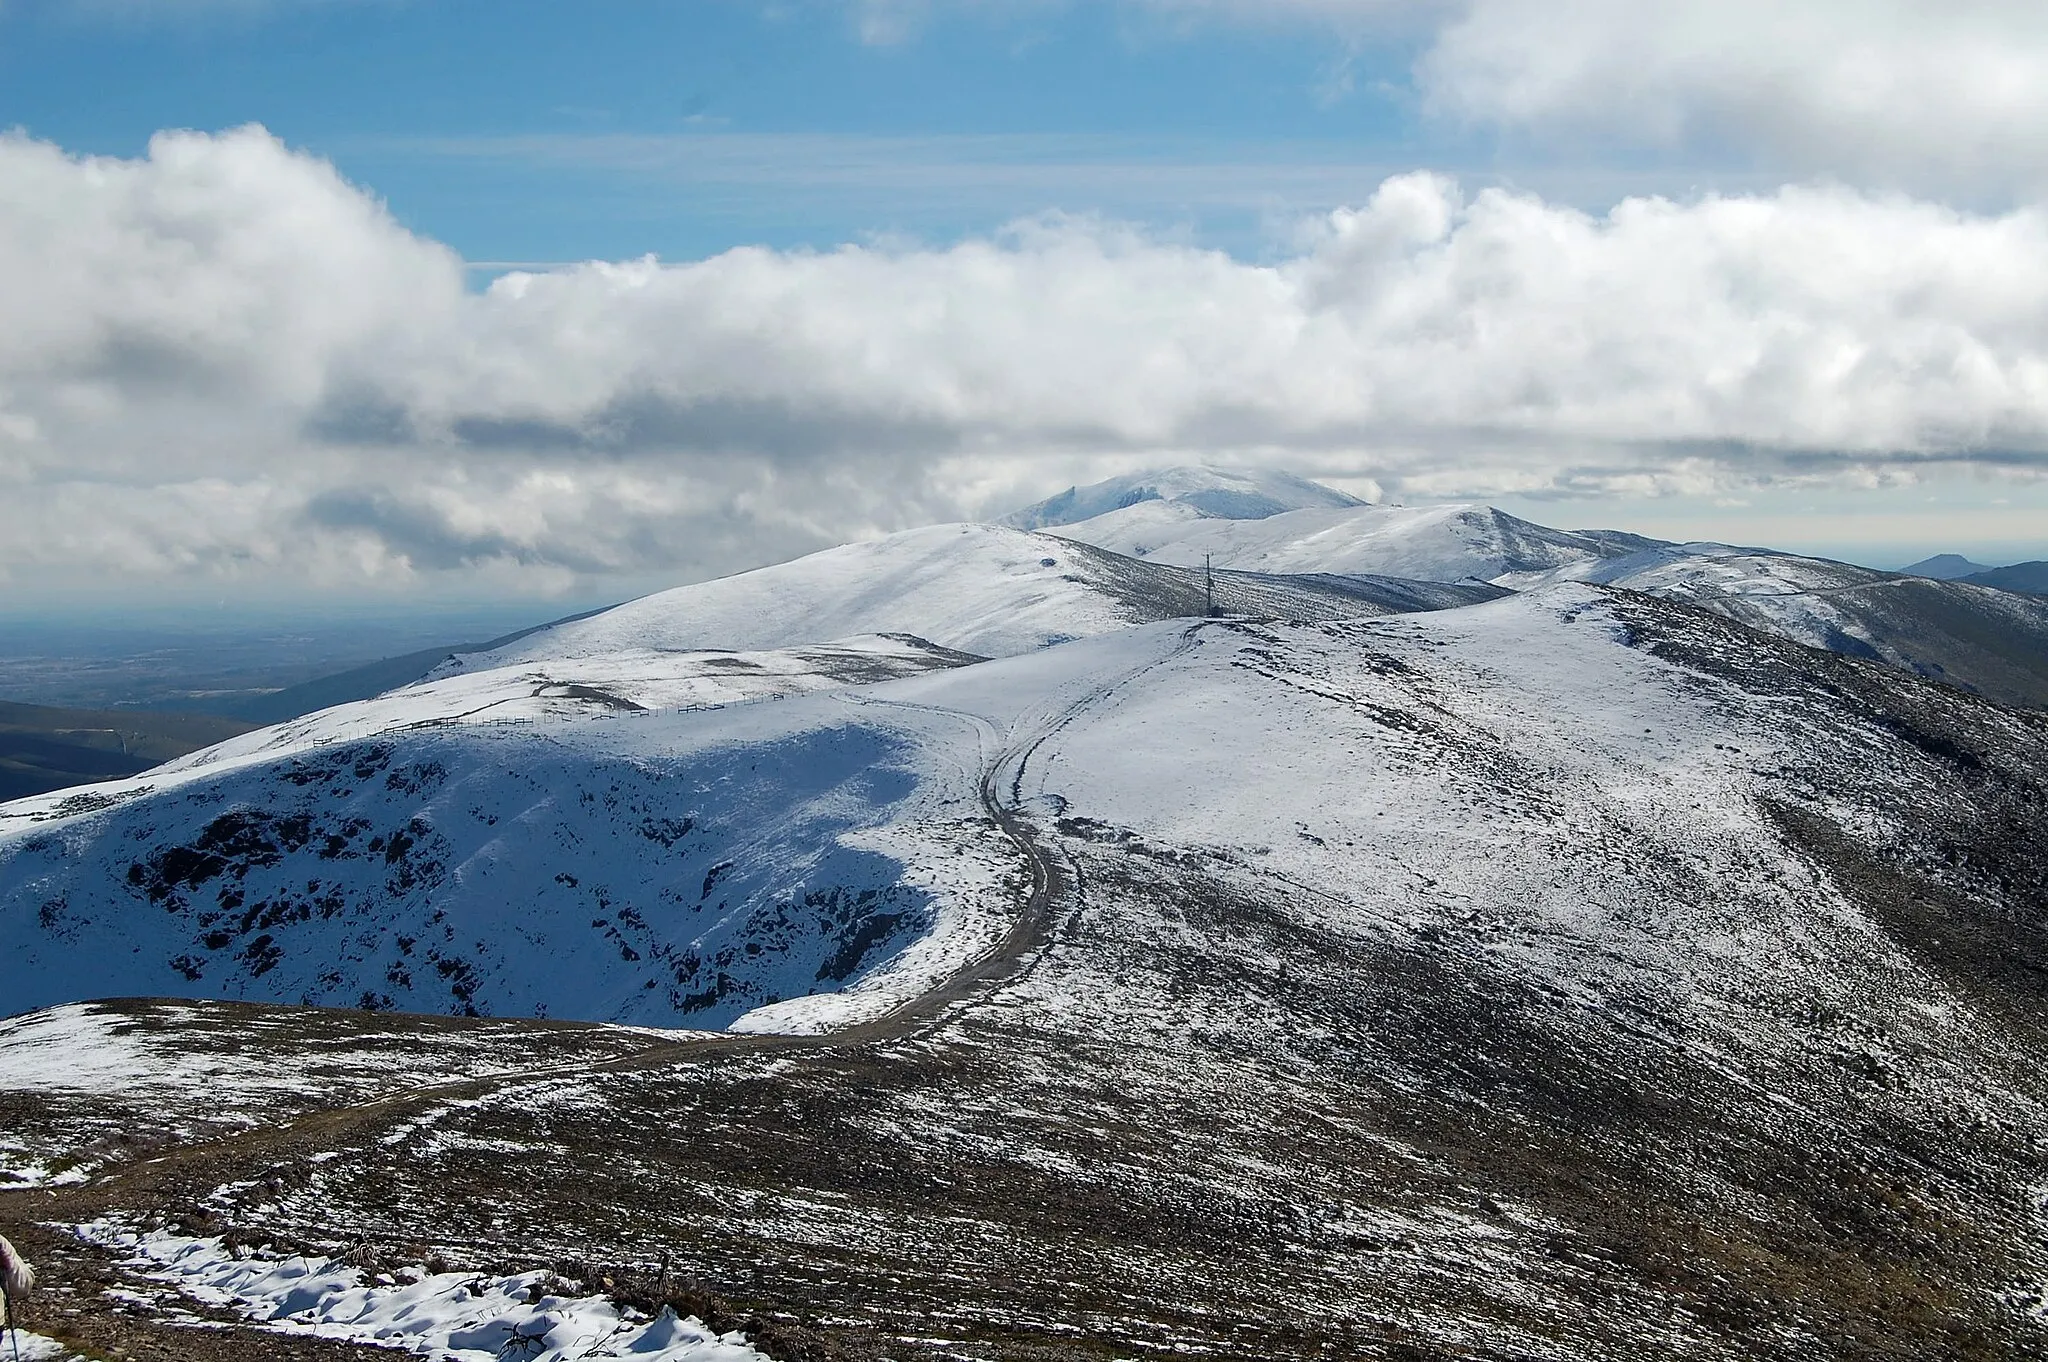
x=998, y=176
x=1051, y=167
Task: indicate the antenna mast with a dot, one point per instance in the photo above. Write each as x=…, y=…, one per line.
x=1208, y=588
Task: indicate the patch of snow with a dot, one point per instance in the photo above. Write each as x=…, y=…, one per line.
x=73, y=1049
x=457, y=1316
x=21, y=1169
x=34, y=1347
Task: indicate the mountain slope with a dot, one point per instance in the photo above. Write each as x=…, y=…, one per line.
x=1575, y=976
x=974, y=588
x=1992, y=642
x=2028, y=577
x=646, y=869
x=1437, y=543
x=592, y=686
x=1729, y=1058
x=1229, y=493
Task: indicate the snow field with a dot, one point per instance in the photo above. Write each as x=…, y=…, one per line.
x=670, y=870
x=1431, y=543
x=451, y=1315
x=978, y=588
x=588, y=686
x=33, y=1347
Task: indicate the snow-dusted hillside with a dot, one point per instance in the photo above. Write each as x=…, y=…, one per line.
x=978, y=589
x=587, y=685
x=1993, y=642
x=678, y=869
x=1231, y=493
x=1990, y=641
x=975, y=588
x=1434, y=543
x=1578, y=975
x=688, y=867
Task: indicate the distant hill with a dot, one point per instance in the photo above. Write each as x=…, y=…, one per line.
x=1429, y=543
x=1224, y=493
x=43, y=749
x=1994, y=642
x=1945, y=567
x=2028, y=577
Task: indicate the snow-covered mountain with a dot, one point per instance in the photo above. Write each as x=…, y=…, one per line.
x=1990, y=641
x=1508, y=971
x=1228, y=493
x=1995, y=642
x=686, y=867
x=679, y=869
x=1435, y=543
x=979, y=589
x=481, y=817
x=1573, y=974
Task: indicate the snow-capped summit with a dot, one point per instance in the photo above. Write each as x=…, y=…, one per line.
x=1432, y=543
x=980, y=589
x=1988, y=641
x=1224, y=493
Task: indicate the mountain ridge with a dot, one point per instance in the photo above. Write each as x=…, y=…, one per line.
x=1208, y=490
x=2031, y=578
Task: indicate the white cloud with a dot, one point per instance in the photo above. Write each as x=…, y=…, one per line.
x=225, y=359
x=1941, y=97
x=1948, y=95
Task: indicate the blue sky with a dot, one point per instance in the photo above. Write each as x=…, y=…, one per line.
x=531, y=130
x=1764, y=271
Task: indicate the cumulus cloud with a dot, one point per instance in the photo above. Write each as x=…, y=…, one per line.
x=1950, y=95
x=1903, y=93
x=224, y=358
